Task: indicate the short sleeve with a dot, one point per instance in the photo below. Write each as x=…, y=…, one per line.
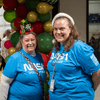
x=10, y=69
x=86, y=58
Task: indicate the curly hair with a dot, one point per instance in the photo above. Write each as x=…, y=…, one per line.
x=74, y=35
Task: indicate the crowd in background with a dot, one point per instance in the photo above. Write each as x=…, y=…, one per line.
x=95, y=44
x=3, y=50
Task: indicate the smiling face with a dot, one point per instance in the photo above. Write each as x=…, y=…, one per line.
x=61, y=29
x=29, y=43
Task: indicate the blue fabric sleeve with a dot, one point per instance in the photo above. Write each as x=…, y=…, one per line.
x=10, y=69
x=86, y=58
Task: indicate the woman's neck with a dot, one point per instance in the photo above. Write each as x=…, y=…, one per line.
x=31, y=53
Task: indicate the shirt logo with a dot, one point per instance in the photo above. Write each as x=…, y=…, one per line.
x=94, y=59
x=59, y=56
x=38, y=66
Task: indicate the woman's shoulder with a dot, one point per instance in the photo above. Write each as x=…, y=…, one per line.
x=38, y=54
x=16, y=55
x=80, y=43
x=82, y=46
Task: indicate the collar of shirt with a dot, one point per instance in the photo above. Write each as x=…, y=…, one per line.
x=33, y=54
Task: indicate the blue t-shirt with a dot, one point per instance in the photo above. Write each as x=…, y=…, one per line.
x=72, y=72
x=26, y=84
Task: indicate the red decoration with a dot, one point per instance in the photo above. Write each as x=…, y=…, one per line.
x=12, y=30
x=17, y=23
x=26, y=32
x=22, y=11
x=45, y=59
x=8, y=44
x=5, y=8
x=38, y=27
x=48, y=97
x=49, y=55
x=10, y=4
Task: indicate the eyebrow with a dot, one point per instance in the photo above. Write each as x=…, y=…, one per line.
x=60, y=28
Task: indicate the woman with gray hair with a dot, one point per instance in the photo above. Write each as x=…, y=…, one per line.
x=19, y=44
x=74, y=70
x=19, y=80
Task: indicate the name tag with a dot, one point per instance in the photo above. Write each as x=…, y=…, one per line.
x=52, y=83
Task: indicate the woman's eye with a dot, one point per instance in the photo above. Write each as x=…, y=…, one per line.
x=55, y=29
x=61, y=29
x=26, y=40
x=32, y=39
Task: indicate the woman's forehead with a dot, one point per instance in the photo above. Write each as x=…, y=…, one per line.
x=29, y=36
x=61, y=22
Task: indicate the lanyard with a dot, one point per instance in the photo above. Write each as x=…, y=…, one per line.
x=56, y=59
x=38, y=74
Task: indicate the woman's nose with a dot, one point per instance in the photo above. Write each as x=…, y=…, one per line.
x=30, y=42
x=58, y=31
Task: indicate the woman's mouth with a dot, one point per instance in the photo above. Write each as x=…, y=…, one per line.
x=28, y=46
x=59, y=35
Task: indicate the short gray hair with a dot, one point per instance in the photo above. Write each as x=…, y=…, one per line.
x=7, y=31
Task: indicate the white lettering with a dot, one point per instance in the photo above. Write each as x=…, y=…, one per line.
x=59, y=57
x=39, y=66
x=66, y=56
x=53, y=56
x=27, y=67
x=94, y=59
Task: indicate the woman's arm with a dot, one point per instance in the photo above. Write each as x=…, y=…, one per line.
x=4, y=87
x=96, y=79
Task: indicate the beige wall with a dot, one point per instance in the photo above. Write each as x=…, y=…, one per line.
x=77, y=9
x=1, y=35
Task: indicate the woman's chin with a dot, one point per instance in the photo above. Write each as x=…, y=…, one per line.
x=60, y=41
x=30, y=51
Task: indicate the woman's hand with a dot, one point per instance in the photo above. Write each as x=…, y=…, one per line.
x=96, y=79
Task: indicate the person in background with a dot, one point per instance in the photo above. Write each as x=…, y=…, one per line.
x=19, y=80
x=4, y=51
x=74, y=70
x=2, y=65
x=4, y=35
